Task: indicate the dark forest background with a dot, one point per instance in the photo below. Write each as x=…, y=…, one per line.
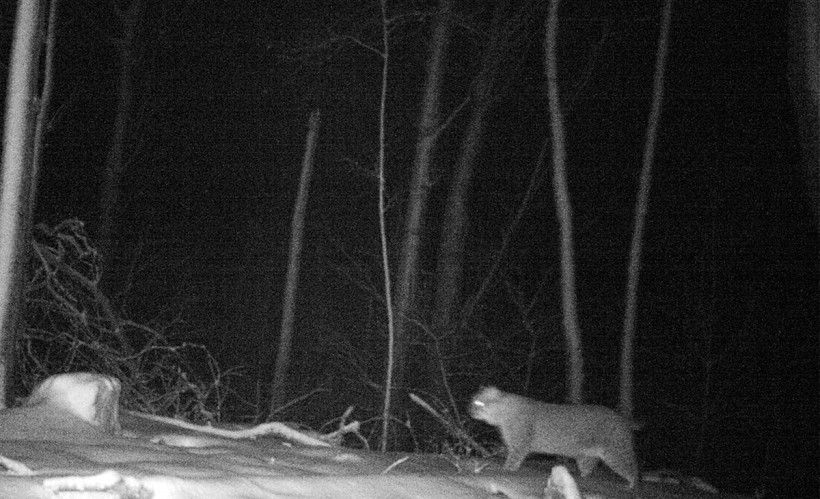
x=727, y=331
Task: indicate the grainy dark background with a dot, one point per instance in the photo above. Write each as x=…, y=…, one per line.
x=223, y=90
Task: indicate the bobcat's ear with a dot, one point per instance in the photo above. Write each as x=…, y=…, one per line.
x=489, y=392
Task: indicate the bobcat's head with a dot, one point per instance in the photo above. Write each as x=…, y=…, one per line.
x=486, y=405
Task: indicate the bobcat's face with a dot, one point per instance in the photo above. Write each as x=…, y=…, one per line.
x=484, y=404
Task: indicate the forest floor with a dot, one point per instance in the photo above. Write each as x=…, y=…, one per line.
x=46, y=451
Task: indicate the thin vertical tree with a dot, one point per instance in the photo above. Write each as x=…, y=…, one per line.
x=294, y=261
x=405, y=292
x=45, y=97
x=450, y=261
x=17, y=177
x=453, y=230
x=111, y=175
x=563, y=207
x=388, y=296
x=641, y=202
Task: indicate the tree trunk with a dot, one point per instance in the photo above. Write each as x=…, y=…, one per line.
x=292, y=285
x=112, y=170
x=419, y=190
x=45, y=100
x=388, y=297
x=17, y=180
x=633, y=271
x=456, y=220
x=563, y=207
x=450, y=263
x=804, y=80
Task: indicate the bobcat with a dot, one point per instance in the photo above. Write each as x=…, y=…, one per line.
x=585, y=433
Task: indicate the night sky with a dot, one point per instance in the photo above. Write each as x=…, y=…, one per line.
x=729, y=282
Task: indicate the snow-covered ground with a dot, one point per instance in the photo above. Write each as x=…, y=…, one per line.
x=70, y=440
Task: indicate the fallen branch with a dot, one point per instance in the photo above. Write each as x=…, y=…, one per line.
x=271, y=428
x=15, y=468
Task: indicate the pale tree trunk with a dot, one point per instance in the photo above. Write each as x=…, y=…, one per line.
x=388, y=297
x=641, y=202
x=113, y=168
x=804, y=80
x=563, y=208
x=17, y=178
x=405, y=293
x=296, y=236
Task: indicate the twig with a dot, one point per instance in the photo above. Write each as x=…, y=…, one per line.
x=395, y=463
x=297, y=400
x=449, y=426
